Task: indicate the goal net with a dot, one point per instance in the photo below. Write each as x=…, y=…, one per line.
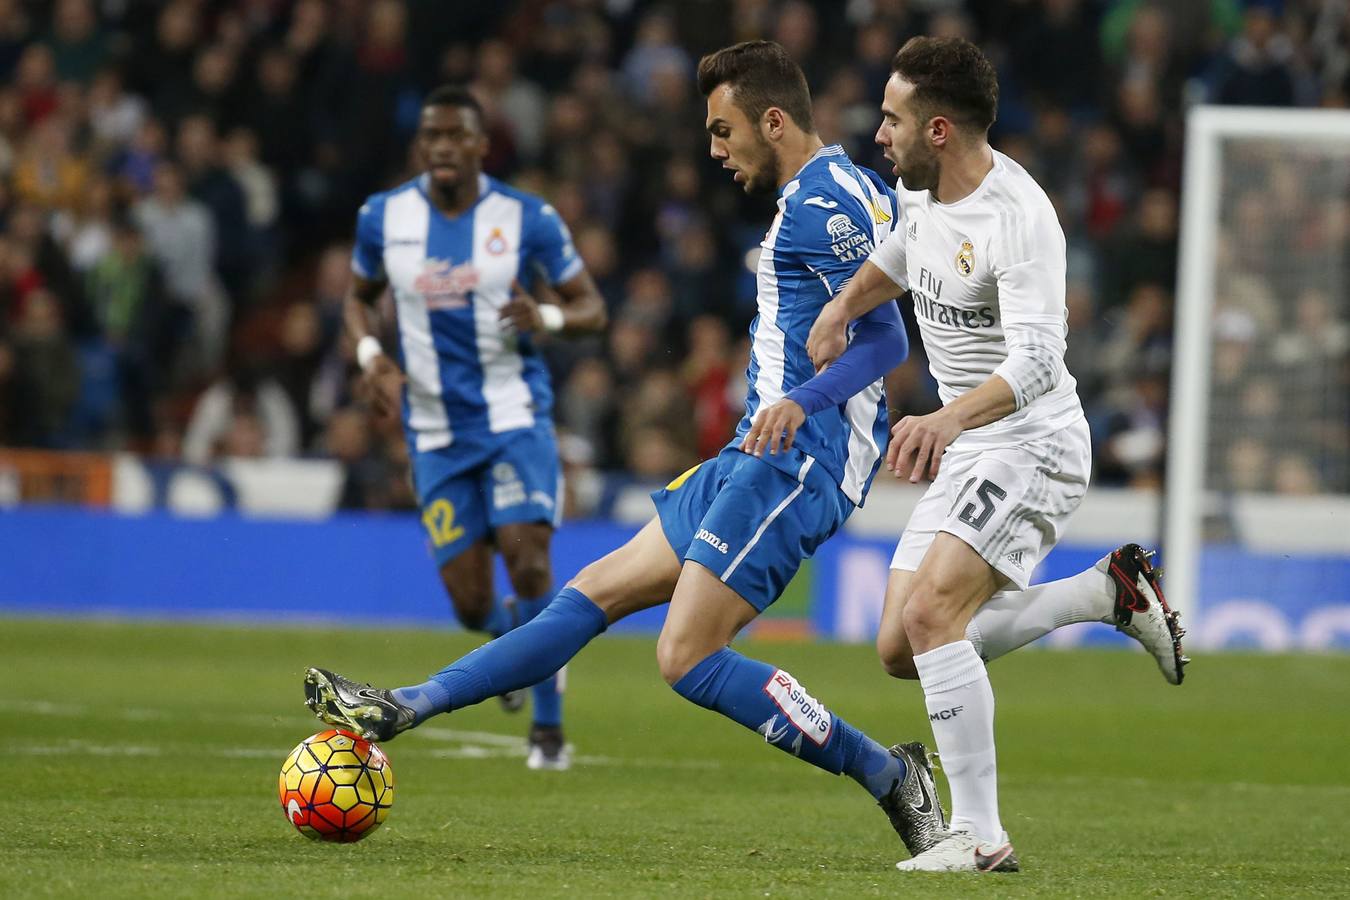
x=1257, y=500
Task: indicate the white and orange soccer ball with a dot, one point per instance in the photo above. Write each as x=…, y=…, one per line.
x=334, y=786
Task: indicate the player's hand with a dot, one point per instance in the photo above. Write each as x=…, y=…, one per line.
x=384, y=383
x=774, y=428
x=522, y=311
x=828, y=337
x=917, y=445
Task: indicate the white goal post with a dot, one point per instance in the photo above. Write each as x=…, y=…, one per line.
x=1309, y=149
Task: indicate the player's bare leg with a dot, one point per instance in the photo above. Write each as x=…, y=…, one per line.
x=893, y=649
x=639, y=575
x=468, y=583
x=705, y=615
x=951, y=583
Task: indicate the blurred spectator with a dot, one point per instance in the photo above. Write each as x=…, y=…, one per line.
x=275, y=110
x=1139, y=337
x=163, y=64
x=655, y=439
x=36, y=260
x=46, y=378
x=127, y=294
x=47, y=172
x=88, y=232
x=16, y=30
x=79, y=46
x=1255, y=70
x=262, y=203
x=1055, y=57
x=1145, y=251
x=212, y=185
x=35, y=77
x=707, y=374
x=183, y=239
x=587, y=407
x=135, y=161
x=654, y=52
x=243, y=414
x=519, y=102
x=347, y=439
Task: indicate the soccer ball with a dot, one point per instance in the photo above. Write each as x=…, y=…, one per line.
x=335, y=786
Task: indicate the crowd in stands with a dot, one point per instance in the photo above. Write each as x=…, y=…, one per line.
x=179, y=182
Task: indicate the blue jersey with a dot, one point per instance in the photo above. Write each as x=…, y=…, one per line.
x=830, y=217
x=468, y=376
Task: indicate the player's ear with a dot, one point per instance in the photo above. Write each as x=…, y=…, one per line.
x=939, y=130
x=773, y=123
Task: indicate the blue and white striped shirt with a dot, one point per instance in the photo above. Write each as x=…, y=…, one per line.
x=830, y=217
x=450, y=277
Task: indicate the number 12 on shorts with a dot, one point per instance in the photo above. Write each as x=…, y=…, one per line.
x=986, y=494
x=439, y=521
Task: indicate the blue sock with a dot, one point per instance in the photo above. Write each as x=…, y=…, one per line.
x=547, y=695
x=770, y=702
x=511, y=613
x=518, y=659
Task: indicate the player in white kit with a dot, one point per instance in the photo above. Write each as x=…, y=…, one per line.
x=979, y=248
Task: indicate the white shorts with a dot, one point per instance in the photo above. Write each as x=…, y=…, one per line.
x=1009, y=503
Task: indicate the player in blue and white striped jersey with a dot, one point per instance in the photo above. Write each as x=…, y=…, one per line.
x=457, y=251
x=731, y=533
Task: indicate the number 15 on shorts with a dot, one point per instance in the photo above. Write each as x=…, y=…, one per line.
x=977, y=512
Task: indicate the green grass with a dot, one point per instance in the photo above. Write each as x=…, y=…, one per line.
x=141, y=761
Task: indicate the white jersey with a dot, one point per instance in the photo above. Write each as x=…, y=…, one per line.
x=987, y=278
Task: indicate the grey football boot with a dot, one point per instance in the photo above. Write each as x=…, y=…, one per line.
x=371, y=712
x=912, y=803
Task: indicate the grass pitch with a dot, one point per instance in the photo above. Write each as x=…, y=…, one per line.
x=141, y=761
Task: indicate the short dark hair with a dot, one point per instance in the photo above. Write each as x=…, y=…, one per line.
x=761, y=75
x=454, y=95
x=951, y=78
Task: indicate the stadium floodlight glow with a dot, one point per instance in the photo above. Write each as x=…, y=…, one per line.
x=1220, y=142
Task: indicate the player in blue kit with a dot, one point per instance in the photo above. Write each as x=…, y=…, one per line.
x=454, y=247
x=730, y=533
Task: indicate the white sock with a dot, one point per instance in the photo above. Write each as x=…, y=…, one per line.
x=961, y=712
x=1012, y=619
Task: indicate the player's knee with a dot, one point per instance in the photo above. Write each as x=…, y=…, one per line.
x=530, y=574
x=590, y=581
x=472, y=604
x=601, y=588
x=928, y=614
x=897, y=659
x=675, y=658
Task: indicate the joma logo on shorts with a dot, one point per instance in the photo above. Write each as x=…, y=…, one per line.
x=712, y=540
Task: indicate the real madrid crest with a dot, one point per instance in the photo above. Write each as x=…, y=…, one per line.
x=496, y=242
x=965, y=259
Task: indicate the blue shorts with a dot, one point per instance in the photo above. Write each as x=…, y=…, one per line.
x=469, y=489
x=749, y=523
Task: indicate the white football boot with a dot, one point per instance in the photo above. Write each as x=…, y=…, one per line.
x=960, y=851
x=1141, y=610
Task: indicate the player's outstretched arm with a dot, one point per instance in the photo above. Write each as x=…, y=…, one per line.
x=868, y=289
